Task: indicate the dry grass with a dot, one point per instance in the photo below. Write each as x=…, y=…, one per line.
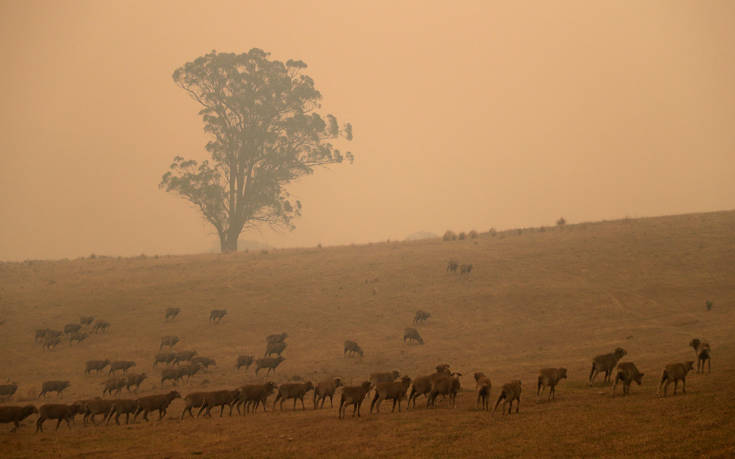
x=540, y=299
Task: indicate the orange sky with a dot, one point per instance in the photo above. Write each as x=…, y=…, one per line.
x=477, y=115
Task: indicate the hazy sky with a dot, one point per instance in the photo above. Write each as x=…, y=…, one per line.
x=466, y=116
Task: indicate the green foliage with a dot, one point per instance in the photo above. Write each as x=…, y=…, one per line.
x=709, y=305
x=264, y=132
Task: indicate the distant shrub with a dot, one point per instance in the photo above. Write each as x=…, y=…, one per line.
x=709, y=305
x=449, y=236
x=561, y=222
x=319, y=246
x=492, y=232
x=473, y=234
x=462, y=236
x=92, y=256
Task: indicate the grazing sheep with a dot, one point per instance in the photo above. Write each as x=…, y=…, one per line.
x=126, y=407
x=78, y=337
x=296, y=391
x=422, y=384
x=550, y=377
x=352, y=348
x=627, y=372
x=268, y=362
x=59, y=412
x=216, y=315
x=274, y=348
x=452, y=266
x=421, y=316
x=183, y=356
x=483, y=386
x=244, y=361
x=445, y=385
x=96, y=365
x=116, y=383
x=411, y=334
x=391, y=390
x=123, y=365
x=326, y=389
x=50, y=342
x=91, y=408
x=675, y=372
x=101, y=326
x=510, y=391
x=220, y=398
x=16, y=414
x=204, y=362
x=169, y=341
x=353, y=395
x=170, y=373
x=164, y=357
x=171, y=313
x=188, y=371
x=71, y=328
x=465, y=269
x=254, y=394
x=277, y=338
x=134, y=379
x=153, y=403
x=606, y=363
x=86, y=320
x=194, y=400
x=53, y=386
x=705, y=356
x=7, y=390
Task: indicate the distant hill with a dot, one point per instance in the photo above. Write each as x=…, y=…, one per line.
x=421, y=235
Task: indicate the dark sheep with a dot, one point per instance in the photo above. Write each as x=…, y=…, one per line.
x=675, y=372
x=50, y=342
x=96, y=365
x=116, y=383
x=390, y=390
x=172, y=374
x=465, y=269
x=193, y=400
x=16, y=414
x=606, y=363
x=216, y=315
x=164, y=357
x=277, y=338
x=183, y=356
x=169, y=341
x=326, y=389
x=550, y=377
x=91, y=408
x=483, y=386
x=126, y=407
x=422, y=384
x=254, y=394
x=627, y=372
x=296, y=391
x=7, y=390
x=421, y=316
x=274, y=348
x=352, y=348
x=71, y=328
x=153, y=403
x=171, y=313
x=59, y=412
x=188, y=371
x=204, y=362
x=704, y=357
x=270, y=363
x=353, y=395
x=220, y=398
x=123, y=365
x=134, y=379
x=446, y=386
x=387, y=376
x=101, y=326
x=510, y=392
x=452, y=266
x=53, y=386
x=78, y=337
x=86, y=320
x=411, y=334
x=244, y=361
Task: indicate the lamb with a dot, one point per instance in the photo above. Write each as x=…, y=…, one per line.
x=220, y=398
x=510, y=391
x=254, y=394
x=274, y=348
x=7, y=390
x=78, y=337
x=171, y=313
x=676, y=372
x=204, y=362
x=422, y=384
x=86, y=320
x=126, y=407
x=550, y=377
x=16, y=414
x=353, y=395
x=244, y=361
x=164, y=357
x=101, y=326
x=53, y=386
x=268, y=362
x=216, y=315
x=411, y=334
x=116, y=383
x=421, y=316
x=326, y=389
x=123, y=365
x=627, y=372
x=91, y=408
x=96, y=365
x=277, y=338
x=391, y=390
x=445, y=385
x=352, y=348
x=483, y=386
x=296, y=391
x=606, y=363
x=71, y=328
x=183, y=356
x=153, y=403
x=169, y=341
x=59, y=412
x=134, y=379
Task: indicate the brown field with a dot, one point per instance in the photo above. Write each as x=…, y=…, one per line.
x=539, y=299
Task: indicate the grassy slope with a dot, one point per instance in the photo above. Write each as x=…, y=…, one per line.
x=553, y=298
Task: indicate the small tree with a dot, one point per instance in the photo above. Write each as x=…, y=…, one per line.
x=561, y=222
x=709, y=305
x=264, y=133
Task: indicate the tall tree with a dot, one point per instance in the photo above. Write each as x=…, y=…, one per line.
x=264, y=132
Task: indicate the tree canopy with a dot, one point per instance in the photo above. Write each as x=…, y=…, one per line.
x=261, y=117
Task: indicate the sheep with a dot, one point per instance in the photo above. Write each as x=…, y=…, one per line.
x=353, y=395
x=395, y=391
x=169, y=341
x=170, y=373
x=388, y=376
x=352, y=348
x=16, y=414
x=171, y=313
x=422, y=384
x=96, y=365
x=78, y=337
x=244, y=361
x=606, y=363
x=183, y=356
x=277, y=338
x=445, y=385
x=41, y=334
x=627, y=372
x=91, y=408
x=550, y=377
x=698, y=346
x=126, y=407
x=101, y=326
x=7, y=390
x=188, y=371
x=326, y=389
x=296, y=391
x=153, y=403
x=204, y=362
x=253, y=394
x=411, y=334
x=59, y=412
x=71, y=328
x=676, y=372
x=465, y=269
x=274, y=348
x=220, y=398
x=53, y=386
x=421, y=316
x=164, y=357
x=50, y=342
x=268, y=362
x=510, y=391
x=134, y=379
x=216, y=315
x=86, y=320
x=193, y=400
x=452, y=266
x=123, y=365
x=704, y=357
x=483, y=386
x=116, y=383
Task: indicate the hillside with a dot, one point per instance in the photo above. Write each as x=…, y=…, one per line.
x=536, y=299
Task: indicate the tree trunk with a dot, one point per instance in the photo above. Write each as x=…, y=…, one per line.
x=228, y=242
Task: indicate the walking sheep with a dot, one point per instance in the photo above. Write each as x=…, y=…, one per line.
x=16, y=414
x=270, y=363
x=153, y=403
x=483, y=387
x=606, y=363
x=296, y=391
x=353, y=395
x=59, y=412
x=550, y=377
x=627, y=372
x=390, y=390
x=326, y=389
x=352, y=348
x=675, y=372
x=53, y=386
x=510, y=392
